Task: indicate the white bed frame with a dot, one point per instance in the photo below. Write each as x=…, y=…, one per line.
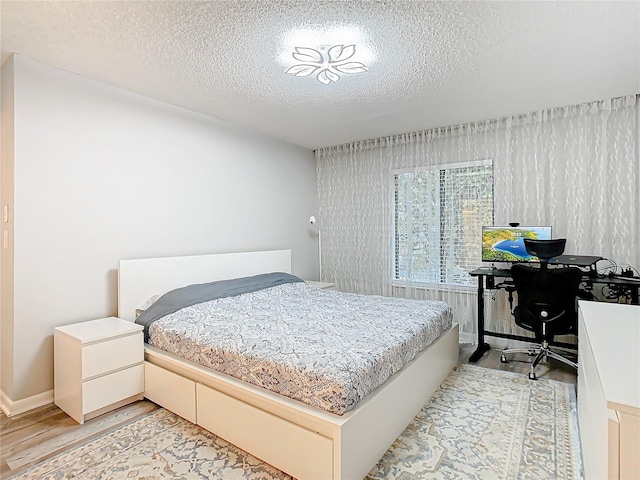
x=300, y=440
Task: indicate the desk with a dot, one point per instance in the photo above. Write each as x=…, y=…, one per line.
x=500, y=279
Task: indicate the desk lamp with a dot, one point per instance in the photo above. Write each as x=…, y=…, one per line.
x=545, y=249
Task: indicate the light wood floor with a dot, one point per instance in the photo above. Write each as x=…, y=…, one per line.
x=32, y=437
x=42, y=433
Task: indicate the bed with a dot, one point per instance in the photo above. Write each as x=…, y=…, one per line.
x=291, y=434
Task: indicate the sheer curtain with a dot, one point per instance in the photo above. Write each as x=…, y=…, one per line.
x=575, y=168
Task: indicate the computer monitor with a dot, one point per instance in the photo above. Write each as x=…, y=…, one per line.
x=506, y=244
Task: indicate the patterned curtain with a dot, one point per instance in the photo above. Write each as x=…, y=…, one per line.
x=575, y=168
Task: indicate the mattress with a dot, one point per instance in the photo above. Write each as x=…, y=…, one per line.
x=325, y=348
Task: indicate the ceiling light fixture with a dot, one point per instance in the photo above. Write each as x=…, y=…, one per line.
x=327, y=63
x=326, y=51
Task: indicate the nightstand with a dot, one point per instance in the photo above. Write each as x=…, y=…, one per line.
x=321, y=285
x=98, y=366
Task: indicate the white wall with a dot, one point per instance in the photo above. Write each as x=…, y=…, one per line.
x=102, y=174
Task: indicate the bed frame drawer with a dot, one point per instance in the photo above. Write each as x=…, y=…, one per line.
x=170, y=390
x=297, y=451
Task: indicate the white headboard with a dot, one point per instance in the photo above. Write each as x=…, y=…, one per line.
x=140, y=279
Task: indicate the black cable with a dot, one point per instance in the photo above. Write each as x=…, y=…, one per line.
x=629, y=267
x=612, y=267
x=609, y=293
x=616, y=292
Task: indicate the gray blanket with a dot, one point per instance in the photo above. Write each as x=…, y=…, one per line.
x=190, y=295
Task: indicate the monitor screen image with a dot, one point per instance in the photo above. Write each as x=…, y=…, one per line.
x=506, y=244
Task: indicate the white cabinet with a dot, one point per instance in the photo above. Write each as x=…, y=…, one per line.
x=609, y=390
x=98, y=366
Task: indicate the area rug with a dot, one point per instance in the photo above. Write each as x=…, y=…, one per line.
x=480, y=424
x=489, y=424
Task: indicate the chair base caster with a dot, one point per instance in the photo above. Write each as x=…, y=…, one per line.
x=532, y=376
x=503, y=359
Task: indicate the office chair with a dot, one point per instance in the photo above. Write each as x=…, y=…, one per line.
x=547, y=303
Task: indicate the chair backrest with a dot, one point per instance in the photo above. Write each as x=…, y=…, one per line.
x=545, y=249
x=547, y=296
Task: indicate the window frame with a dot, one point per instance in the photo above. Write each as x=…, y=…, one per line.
x=394, y=200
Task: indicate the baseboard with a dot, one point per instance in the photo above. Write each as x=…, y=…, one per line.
x=11, y=408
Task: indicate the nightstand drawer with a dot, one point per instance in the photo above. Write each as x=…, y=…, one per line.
x=105, y=357
x=103, y=391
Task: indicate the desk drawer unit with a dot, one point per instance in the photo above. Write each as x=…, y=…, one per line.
x=98, y=366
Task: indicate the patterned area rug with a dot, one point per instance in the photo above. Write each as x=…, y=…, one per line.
x=489, y=424
x=480, y=424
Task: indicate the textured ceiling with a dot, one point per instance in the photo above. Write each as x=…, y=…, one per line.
x=436, y=63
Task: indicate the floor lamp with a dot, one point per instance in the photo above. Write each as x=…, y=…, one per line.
x=312, y=221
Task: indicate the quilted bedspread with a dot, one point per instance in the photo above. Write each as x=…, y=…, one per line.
x=325, y=348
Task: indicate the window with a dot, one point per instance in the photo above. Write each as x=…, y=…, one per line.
x=438, y=216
